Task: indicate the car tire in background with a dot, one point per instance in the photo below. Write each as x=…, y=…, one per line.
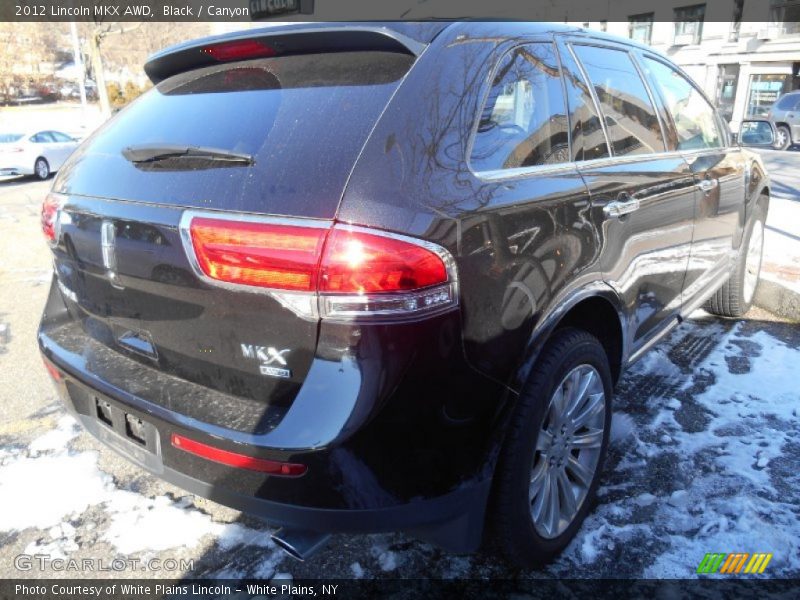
x=783, y=139
x=735, y=298
x=556, y=444
x=41, y=168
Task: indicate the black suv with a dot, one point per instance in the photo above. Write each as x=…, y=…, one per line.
x=376, y=277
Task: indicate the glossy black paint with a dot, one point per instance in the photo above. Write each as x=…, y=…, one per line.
x=399, y=424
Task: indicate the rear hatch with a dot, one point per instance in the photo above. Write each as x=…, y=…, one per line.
x=271, y=136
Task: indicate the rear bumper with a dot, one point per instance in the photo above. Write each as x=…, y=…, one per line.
x=448, y=520
x=374, y=463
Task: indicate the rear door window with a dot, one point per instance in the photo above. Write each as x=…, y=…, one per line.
x=788, y=102
x=43, y=137
x=60, y=137
x=694, y=118
x=588, y=140
x=524, y=120
x=302, y=118
x=631, y=120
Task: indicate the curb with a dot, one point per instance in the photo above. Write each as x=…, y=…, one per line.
x=778, y=299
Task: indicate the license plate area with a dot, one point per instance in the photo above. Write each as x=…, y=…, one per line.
x=128, y=434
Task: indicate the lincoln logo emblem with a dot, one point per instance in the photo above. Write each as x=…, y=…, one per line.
x=107, y=238
x=268, y=356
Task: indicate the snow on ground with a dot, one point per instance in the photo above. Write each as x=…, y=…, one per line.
x=46, y=486
x=704, y=458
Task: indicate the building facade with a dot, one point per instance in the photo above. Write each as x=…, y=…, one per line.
x=744, y=53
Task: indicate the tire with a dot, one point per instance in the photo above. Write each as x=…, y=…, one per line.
x=735, y=298
x=519, y=517
x=784, y=137
x=41, y=168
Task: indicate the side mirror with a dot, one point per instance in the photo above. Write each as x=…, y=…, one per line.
x=757, y=133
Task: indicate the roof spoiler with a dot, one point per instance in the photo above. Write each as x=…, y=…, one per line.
x=300, y=39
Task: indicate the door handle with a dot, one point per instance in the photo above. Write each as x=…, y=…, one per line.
x=619, y=208
x=707, y=185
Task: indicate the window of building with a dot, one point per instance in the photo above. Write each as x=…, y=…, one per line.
x=727, y=82
x=640, y=28
x=631, y=121
x=689, y=24
x=524, y=120
x=694, y=119
x=764, y=91
x=785, y=14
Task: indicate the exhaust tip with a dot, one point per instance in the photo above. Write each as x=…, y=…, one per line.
x=298, y=543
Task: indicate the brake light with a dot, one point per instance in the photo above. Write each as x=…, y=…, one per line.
x=275, y=256
x=316, y=269
x=239, y=50
x=50, y=207
x=234, y=459
x=357, y=262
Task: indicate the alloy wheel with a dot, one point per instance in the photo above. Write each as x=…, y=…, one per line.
x=567, y=450
x=42, y=170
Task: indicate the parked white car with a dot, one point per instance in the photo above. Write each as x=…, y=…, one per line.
x=37, y=153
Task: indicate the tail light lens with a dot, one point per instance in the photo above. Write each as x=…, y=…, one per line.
x=239, y=50
x=317, y=269
x=266, y=255
x=50, y=207
x=357, y=262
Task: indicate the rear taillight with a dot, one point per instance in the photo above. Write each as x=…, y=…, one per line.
x=275, y=256
x=239, y=50
x=50, y=208
x=358, y=262
x=319, y=269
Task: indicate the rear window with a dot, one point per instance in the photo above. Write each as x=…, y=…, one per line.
x=302, y=118
x=7, y=138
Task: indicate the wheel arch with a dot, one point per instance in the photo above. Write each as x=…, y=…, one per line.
x=596, y=309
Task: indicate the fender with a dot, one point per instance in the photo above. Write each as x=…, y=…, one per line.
x=558, y=309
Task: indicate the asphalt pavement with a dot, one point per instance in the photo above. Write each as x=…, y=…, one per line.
x=705, y=456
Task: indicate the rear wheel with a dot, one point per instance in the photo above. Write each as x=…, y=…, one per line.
x=549, y=467
x=41, y=168
x=784, y=137
x=735, y=298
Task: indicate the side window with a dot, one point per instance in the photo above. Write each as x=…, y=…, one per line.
x=524, y=121
x=694, y=117
x=587, y=135
x=631, y=120
x=60, y=137
x=43, y=137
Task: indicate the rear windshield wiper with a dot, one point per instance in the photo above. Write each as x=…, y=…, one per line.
x=151, y=153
